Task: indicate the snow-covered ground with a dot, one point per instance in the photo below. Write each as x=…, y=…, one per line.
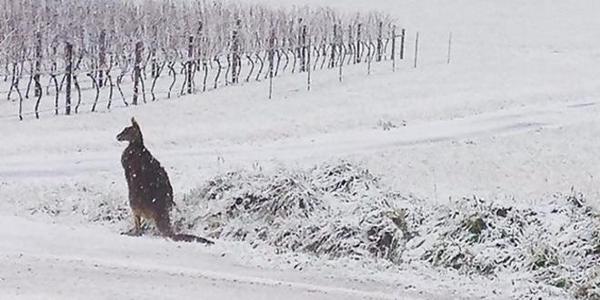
x=109, y=267
x=513, y=119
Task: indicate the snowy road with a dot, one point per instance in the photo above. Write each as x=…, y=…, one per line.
x=46, y=261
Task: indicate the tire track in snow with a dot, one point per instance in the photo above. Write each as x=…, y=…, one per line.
x=66, y=262
x=115, y=267
x=324, y=146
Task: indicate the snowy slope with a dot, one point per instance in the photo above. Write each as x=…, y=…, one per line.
x=513, y=118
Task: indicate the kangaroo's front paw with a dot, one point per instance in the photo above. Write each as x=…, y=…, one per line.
x=132, y=232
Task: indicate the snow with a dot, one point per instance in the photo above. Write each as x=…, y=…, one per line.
x=513, y=120
x=143, y=269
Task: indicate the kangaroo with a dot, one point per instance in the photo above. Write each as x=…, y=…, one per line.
x=150, y=191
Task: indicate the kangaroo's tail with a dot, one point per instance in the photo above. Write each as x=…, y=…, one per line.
x=164, y=226
x=190, y=238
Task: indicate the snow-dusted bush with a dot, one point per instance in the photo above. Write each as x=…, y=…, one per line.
x=334, y=211
x=88, y=204
x=473, y=237
x=556, y=244
x=342, y=210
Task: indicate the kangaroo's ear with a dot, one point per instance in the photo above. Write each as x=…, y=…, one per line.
x=134, y=123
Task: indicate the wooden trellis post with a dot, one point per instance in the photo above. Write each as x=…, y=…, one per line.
x=38, y=64
x=340, y=43
x=333, y=46
x=154, y=69
x=351, y=43
x=308, y=79
x=235, y=49
x=190, y=66
x=358, y=41
x=402, y=38
x=380, y=42
x=102, y=58
x=271, y=62
x=137, y=71
x=303, y=47
x=393, y=56
x=449, y=47
x=68, y=77
x=416, y=49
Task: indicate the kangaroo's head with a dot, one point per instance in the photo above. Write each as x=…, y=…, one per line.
x=131, y=134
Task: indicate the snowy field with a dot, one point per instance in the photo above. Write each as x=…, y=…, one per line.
x=513, y=120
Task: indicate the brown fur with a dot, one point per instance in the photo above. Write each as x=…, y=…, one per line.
x=150, y=191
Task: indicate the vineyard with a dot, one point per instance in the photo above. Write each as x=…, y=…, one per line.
x=121, y=53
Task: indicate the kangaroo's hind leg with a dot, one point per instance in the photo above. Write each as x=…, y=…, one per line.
x=137, y=228
x=163, y=224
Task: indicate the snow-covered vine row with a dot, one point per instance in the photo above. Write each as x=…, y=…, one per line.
x=112, y=43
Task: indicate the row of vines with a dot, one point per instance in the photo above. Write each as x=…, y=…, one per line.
x=48, y=47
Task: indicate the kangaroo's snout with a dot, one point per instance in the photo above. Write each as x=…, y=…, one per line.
x=120, y=137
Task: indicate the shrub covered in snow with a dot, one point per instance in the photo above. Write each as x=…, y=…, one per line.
x=556, y=244
x=333, y=211
x=342, y=210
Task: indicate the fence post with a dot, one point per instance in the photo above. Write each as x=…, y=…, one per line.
x=351, y=43
x=370, y=56
x=402, y=38
x=38, y=64
x=154, y=65
x=333, y=44
x=449, y=47
x=271, y=62
x=137, y=71
x=416, y=49
x=190, y=65
x=303, y=53
x=358, y=40
x=393, y=57
x=380, y=42
x=308, y=79
x=235, y=49
x=340, y=43
x=102, y=58
x=68, y=77
x=202, y=56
